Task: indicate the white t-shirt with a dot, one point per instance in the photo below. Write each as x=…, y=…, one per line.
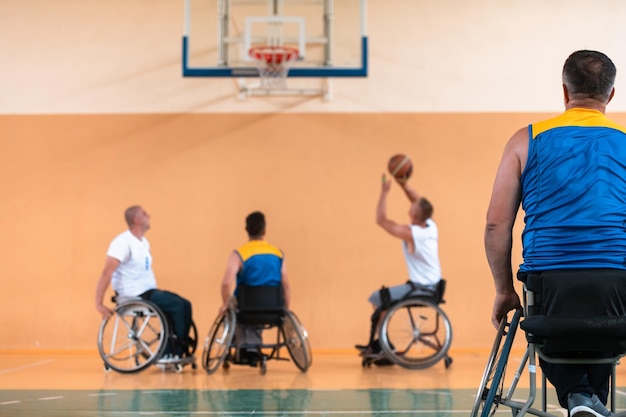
x=134, y=275
x=423, y=264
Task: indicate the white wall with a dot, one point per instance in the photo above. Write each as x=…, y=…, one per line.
x=124, y=56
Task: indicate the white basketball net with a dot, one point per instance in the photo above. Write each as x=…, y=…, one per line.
x=273, y=63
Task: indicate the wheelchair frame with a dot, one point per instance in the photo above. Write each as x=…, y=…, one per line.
x=136, y=336
x=490, y=392
x=414, y=332
x=220, y=349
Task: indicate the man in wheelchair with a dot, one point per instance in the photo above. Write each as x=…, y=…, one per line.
x=421, y=253
x=256, y=263
x=128, y=269
x=569, y=175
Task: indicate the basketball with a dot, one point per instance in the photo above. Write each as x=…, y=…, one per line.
x=400, y=166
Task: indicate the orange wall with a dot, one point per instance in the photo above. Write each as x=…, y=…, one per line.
x=66, y=181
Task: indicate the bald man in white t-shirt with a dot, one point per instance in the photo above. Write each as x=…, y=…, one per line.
x=128, y=269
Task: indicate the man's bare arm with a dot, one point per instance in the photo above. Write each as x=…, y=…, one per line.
x=230, y=278
x=400, y=231
x=501, y=214
x=410, y=192
x=110, y=265
x=286, y=286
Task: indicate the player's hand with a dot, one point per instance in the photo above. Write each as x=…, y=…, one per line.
x=402, y=180
x=104, y=311
x=502, y=305
x=222, y=309
x=386, y=184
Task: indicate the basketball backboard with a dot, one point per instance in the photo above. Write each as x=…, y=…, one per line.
x=330, y=36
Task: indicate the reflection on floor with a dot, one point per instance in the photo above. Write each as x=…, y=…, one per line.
x=75, y=385
x=374, y=402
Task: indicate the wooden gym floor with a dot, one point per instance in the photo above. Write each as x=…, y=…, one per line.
x=74, y=384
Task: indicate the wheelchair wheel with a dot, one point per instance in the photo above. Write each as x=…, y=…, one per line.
x=492, y=383
x=415, y=333
x=218, y=341
x=297, y=341
x=134, y=337
x=192, y=345
x=192, y=341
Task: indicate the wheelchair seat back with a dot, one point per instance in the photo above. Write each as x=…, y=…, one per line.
x=260, y=305
x=435, y=297
x=555, y=320
x=119, y=299
x=440, y=291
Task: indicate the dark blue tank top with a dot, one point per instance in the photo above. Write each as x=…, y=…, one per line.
x=574, y=193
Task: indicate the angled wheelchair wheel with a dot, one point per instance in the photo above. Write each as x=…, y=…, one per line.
x=297, y=341
x=134, y=337
x=192, y=341
x=492, y=383
x=415, y=333
x=218, y=341
x=192, y=345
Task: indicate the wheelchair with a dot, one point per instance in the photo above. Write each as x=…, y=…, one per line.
x=259, y=308
x=413, y=332
x=137, y=335
x=544, y=334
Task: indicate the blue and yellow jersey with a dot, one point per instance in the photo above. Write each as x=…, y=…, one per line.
x=262, y=264
x=574, y=193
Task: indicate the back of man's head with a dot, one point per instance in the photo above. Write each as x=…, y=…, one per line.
x=589, y=74
x=427, y=208
x=255, y=224
x=130, y=214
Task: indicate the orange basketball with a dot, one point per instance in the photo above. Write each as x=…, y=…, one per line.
x=400, y=166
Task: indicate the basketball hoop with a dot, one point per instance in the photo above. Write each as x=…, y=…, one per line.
x=273, y=63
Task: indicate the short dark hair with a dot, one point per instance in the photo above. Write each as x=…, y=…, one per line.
x=255, y=224
x=426, y=207
x=130, y=213
x=590, y=74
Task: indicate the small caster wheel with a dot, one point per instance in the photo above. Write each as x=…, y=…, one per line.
x=447, y=361
x=107, y=368
x=263, y=366
x=178, y=368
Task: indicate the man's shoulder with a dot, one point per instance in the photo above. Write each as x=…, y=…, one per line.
x=576, y=118
x=123, y=236
x=429, y=226
x=258, y=247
